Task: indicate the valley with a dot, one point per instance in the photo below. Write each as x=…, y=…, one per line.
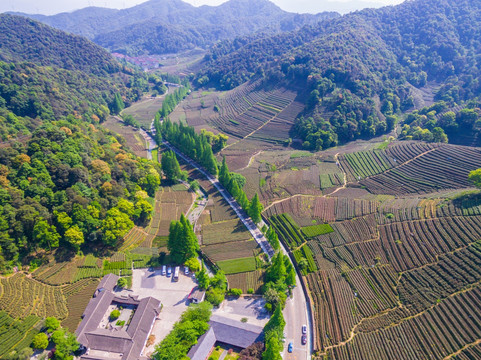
x=241, y=182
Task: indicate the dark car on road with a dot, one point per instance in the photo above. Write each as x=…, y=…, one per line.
x=304, y=339
x=290, y=347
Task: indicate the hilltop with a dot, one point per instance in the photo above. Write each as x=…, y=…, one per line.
x=163, y=26
x=48, y=73
x=362, y=68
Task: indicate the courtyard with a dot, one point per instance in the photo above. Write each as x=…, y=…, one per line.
x=172, y=294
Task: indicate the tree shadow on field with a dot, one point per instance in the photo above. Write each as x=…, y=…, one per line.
x=64, y=254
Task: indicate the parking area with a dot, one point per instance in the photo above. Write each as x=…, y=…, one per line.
x=173, y=295
x=248, y=307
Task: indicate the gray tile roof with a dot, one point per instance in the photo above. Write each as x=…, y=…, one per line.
x=108, y=282
x=197, y=295
x=129, y=342
x=93, y=313
x=227, y=331
x=234, y=332
x=141, y=325
x=204, y=345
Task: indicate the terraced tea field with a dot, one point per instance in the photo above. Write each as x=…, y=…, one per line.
x=144, y=111
x=248, y=111
x=132, y=137
x=392, y=262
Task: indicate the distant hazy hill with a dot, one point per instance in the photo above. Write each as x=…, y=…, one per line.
x=47, y=73
x=364, y=67
x=162, y=26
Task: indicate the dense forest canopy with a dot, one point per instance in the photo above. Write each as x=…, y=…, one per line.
x=72, y=185
x=360, y=70
x=25, y=40
x=47, y=73
x=65, y=181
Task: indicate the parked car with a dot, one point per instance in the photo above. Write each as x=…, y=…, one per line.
x=290, y=347
x=186, y=270
x=169, y=271
x=304, y=329
x=304, y=339
x=164, y=270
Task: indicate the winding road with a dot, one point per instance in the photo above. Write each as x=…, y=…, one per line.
x=296, y=311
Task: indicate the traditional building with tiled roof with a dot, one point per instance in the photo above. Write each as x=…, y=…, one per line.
x=106, y=342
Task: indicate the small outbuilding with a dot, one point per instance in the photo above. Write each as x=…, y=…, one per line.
x=225, y=331
x=197, y=295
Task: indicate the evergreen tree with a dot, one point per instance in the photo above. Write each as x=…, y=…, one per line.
x=243, y=200
x=277, y=270
x=209, y=161
x=170, y=166
x=273, y=238
x=224, y=174
x=203, y=278
x=182, y=242
x=255, y=209
x=275, y=325
x=291, y=275
x=273, y=349
x=233, y=188
x=117, y=105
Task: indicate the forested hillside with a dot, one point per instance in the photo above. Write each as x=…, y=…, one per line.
x=361, y=69
x=47, y=73
x=64, y=181
x=159, y=27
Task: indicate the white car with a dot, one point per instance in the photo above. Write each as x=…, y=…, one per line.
x=304, y=329
x=186, y=270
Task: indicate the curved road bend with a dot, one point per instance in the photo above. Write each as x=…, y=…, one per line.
x=295, y=312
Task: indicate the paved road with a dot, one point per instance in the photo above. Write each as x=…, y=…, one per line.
x=296, y=312
x=151, y=142
x=296, y=315
x=246, y=220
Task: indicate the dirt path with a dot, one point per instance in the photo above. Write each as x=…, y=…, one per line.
x=343, y=173
x=313, y=196
x=477, y=342
x=251, y=160
x=260, y=127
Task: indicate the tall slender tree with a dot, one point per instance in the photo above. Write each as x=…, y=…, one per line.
x=170, y=166
x=255, y=209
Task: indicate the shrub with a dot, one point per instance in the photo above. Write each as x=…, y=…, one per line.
x=40, y=341
x=250, y=291
x=114, y=315
x=214, y=296
x=122, y=282
x=193, y=264
x=52, y=324
x=235, y=292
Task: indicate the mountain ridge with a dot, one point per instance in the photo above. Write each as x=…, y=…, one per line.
x=202, y=26
x=360, y=68
x=50, y=74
